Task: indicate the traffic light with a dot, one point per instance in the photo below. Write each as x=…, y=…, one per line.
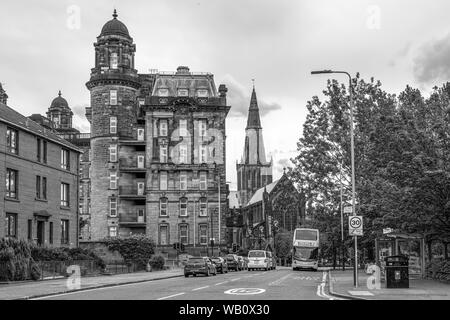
x=234, y=247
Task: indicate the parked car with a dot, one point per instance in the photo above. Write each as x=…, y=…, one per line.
x=221, y=264
x=233, y=262
x=199, y=265
x=242, y=263
x=258, y=259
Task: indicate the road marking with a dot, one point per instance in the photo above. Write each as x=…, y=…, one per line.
x=200, y=288
x=218, y=284
x=277, y=282
x=235, y=279
x=174, y=295
x=96, y=289
x=321, y=288
x=245, y=291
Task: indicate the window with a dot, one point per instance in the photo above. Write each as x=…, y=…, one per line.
x=203, y=234
x=113, y=232
x=113, y=153
x=64, y=231
x=183, y=234
x=203, y=207
x=30, y=229
x=183, y=153
x=113, y=97
x=163, y=154
x=113, y=180
x=163, y=207
x=12, y=140
x=38, y=149
x=113, y=125
x=11, y=183
x=11, y=225
x=65, y=195
x=202, y=93
x=203, y=181
x=113, y=207
x=183, y=207
x=183, y=128
x=65, y=159
x=114, y=60
x=163, y=128
x=183, y=92
x=44, y=188
x=140, y=134
x=183, y=181
x=202, y=128
x=163, y=92
x=44, y=151
x=80, y=208
x=38, y=187
x=50, y=233
x=202, y=154
x=163, y=181
x=163, y=234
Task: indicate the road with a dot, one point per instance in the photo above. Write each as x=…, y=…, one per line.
x=280, y=284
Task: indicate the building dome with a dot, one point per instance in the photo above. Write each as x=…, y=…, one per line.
x=115, y=27
x=59, y=103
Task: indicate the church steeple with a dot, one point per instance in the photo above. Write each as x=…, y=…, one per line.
x=253, y=120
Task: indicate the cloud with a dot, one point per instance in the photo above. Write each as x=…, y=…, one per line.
x=79, y=119
x=432, y=63
x=80, y=110
x=239, y=99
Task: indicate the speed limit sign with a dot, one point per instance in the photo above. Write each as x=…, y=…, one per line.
x=355, y=225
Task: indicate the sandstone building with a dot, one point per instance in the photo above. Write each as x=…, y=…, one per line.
x=39, y=174
x=157, y=148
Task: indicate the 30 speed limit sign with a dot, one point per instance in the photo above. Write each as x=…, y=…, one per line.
x=355, y=225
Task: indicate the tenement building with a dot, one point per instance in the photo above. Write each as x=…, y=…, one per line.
x=157, y=148
x=39, y=193
x=59, y=119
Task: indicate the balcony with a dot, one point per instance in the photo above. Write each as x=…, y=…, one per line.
x=132, y=220
x=132, y=165
x=132, y=142
x=132, y=192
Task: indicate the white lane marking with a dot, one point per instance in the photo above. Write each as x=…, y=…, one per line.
x=218, y=284
x=96, y=289
x=200, y=288
x=321, y=288
x=174, y=295
x=277, y=282
x=235, y=279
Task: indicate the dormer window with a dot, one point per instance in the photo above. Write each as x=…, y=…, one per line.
x=202, y=93
x=183, y=92
x=163, y=92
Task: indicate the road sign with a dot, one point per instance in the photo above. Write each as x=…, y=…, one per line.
x=348, y=209
x=387, y=230
x=355, y=225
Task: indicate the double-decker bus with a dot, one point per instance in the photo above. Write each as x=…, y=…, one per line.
x=305, y=252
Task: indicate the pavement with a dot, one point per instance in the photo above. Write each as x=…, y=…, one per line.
x=280, y=284
x=341, y=285
x=36, y=289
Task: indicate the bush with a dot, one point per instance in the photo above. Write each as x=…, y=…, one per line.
x=65, y=254
x=157, y=262
x=136, y=248
x=35, y=271
x=15, y=259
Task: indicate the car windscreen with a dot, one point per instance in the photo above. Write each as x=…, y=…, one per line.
x=256, y=254
x=196, y=260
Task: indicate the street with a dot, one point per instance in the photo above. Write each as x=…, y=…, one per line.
x=280, y=284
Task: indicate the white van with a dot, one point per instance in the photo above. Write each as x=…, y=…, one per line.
x=258, y=259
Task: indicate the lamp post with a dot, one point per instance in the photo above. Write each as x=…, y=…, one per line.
x=355, y=272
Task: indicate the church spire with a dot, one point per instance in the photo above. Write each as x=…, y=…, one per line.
x=253, y=120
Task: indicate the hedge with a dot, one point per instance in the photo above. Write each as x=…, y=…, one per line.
x=136, y=248
x=16, y=261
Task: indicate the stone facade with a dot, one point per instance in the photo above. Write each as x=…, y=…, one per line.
x=31, y=207
x=157, y=149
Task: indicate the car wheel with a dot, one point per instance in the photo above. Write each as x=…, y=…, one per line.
x=207, y=272
x=186, y=275
x=194, y=275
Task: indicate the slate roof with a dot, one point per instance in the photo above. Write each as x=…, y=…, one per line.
x=257, y=197
x=10, y=116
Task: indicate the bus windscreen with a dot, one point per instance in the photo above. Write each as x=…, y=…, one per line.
x=310, y=235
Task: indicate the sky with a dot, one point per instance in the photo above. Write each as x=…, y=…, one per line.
x=47, y=46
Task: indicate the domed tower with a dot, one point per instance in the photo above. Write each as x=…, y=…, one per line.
x=60, y=114
x=113, y=85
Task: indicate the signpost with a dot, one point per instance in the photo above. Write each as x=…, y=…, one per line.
x=355, y=225
x=348, y=210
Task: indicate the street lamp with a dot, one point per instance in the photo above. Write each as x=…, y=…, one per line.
x=355, y=273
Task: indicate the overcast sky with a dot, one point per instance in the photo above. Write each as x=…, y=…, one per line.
x=46, y=46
